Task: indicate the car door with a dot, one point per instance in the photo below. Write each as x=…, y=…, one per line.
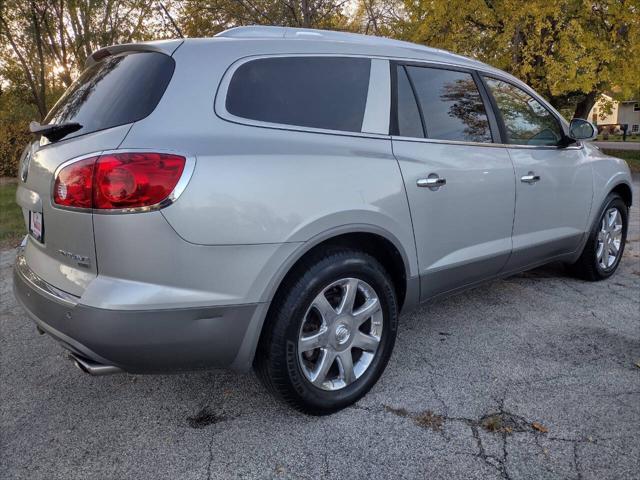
x=460, y=185
x=554, y=184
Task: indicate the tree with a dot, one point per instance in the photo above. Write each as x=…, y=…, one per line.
x=209, y=17
x=378, y=17
x=568, y=50
x=50, y=40
x=20, y=26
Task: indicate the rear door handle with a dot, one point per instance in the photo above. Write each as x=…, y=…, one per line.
x=432, y=181
x=530, y=178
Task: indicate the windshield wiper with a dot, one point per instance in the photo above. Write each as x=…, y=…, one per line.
x=54, y=131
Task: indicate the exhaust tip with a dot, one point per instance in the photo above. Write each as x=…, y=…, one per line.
x=93, y=368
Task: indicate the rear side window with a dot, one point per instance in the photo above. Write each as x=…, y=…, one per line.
x=317, y=92
x=409, y=121
x=118, y=90
x=451, y=105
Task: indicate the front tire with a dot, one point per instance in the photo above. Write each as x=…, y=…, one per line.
x=329, y=333
x=605, y=245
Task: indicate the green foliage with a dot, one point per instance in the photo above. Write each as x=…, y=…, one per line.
x=15, y=114
x=208, y=17
x=568, y=50
x=11, y=220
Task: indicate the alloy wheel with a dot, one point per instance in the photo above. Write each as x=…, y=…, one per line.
x=340, y=334
x=609, y=239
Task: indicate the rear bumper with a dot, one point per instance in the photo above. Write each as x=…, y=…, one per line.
x=142, y=341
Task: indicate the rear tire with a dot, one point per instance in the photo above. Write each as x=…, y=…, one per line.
x=604, y=248
x=335, y=302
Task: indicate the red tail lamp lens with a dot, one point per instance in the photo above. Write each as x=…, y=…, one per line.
x=124, y=180
x=130, y=180
x=73, y=185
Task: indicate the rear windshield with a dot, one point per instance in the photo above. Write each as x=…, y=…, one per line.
x=118, y=90
x=317, y=92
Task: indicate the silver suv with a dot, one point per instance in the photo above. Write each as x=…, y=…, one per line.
x=275, y=197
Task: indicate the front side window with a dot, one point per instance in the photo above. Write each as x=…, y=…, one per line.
x=317, y=92
x=451, y=105
x=527, y=121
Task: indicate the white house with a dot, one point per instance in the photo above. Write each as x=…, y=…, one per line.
x=608, y=111
x=629, y=113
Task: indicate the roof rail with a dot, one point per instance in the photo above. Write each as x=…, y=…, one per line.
x=259, y=31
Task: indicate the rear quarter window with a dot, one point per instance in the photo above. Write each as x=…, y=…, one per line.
x=317, y=92
x=120, y=89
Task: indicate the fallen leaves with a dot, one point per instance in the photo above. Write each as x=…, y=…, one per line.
x=429, y=420
x=539, y=427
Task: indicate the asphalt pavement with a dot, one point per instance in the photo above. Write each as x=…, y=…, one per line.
x=533, y=377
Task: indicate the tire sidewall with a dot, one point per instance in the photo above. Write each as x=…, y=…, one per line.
x=319, y=277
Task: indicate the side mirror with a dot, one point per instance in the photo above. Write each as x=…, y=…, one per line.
x=580, y=129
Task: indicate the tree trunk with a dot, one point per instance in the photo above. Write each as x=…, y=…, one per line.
x=585, y=105
x=306, y=14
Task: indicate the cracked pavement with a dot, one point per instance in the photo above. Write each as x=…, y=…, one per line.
x=530, y=377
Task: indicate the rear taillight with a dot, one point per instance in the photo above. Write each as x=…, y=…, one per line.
x=73, y=185
x=119, y=180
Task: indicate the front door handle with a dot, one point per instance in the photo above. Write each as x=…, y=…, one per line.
x=433, y=182
x=530, y=178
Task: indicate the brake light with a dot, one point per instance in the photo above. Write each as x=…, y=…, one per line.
x=73, y=185
x=121, y=180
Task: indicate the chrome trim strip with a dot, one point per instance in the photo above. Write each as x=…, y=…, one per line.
x=185, y=178
x=448, y=142
x=483, y=144
x=38, y=284
x=378, y=106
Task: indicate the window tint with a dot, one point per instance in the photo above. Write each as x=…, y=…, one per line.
x=451, y=105
x=409, y=122
x=526, y=120
x=318, y=92
x=120, y=89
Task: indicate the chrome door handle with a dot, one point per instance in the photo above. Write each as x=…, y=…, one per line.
x=530, y=178
x=432, y=181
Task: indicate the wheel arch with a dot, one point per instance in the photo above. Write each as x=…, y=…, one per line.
x=374, y=240
x=624, y=190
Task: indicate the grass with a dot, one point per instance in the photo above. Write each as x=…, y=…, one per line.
x=618, y=138
x=11, y=221
x=632, y=157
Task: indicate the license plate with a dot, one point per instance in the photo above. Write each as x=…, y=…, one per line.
x=36, y=227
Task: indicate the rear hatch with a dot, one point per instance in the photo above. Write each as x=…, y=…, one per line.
x=107, y=98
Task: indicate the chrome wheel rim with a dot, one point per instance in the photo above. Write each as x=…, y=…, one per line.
x=609, y=239
x=340, y=334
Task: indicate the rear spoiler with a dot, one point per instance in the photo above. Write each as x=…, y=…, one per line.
x=163, y=46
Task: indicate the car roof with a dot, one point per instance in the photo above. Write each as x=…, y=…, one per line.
x=305, y=39
x=292, y=40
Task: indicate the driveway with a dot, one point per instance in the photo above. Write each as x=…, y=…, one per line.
x=618, y=145
x=536, y=376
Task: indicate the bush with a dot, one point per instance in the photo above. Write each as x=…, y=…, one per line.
x=15, y=115
x=13, y=139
